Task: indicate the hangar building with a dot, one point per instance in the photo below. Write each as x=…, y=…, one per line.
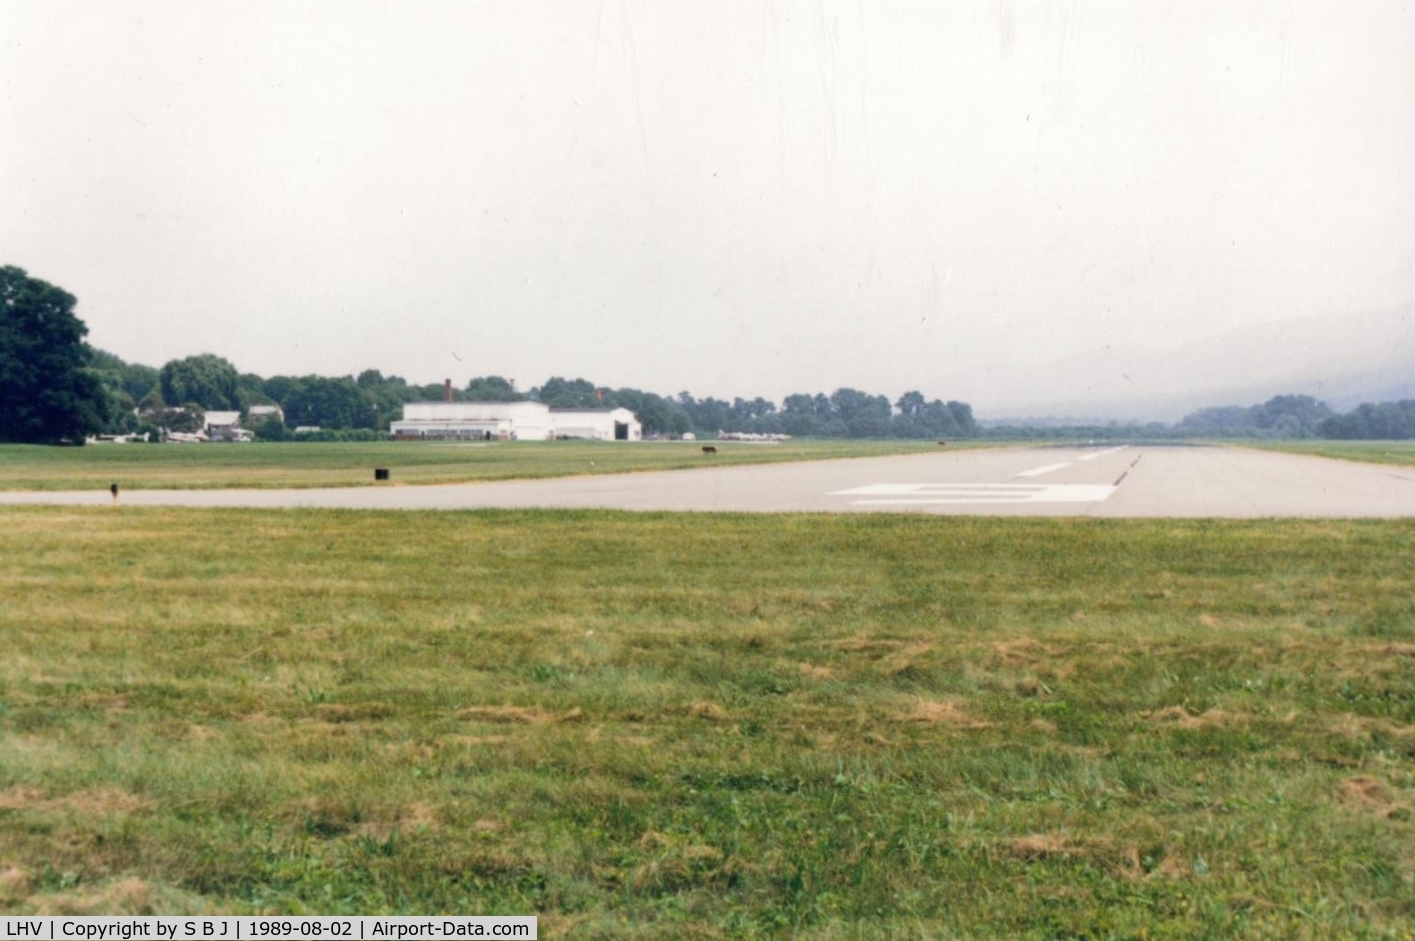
x=521, y=421
x=596, y=424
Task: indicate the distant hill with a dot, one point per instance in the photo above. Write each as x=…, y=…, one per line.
x=1343, y=359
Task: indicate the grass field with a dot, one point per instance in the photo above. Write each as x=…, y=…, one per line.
x=686, y=726
x=324, y=464
x=1401, y=453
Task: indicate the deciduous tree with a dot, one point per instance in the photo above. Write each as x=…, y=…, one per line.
x=47, y=392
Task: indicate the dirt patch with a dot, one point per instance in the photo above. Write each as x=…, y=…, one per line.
x=946, y=713
x=812, y=672
x=1180, y=718
x=1398, y=650
x=1208, y=620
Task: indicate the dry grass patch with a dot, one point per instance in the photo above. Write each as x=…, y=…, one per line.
x=676, y=863
x=518, y=715
x=708, y=711
x=121, y=897
x=906, y=658
x=1180, y=718
x=474, y=740
x=418, y=815
x=95, y=802
x=718, y=784
x=14, y=884
x=1371, y=795
x=1351, y=726
x=1120, y=860
x=865, y=645
x=1040, y=846
x=1024, y=651
x=948, y=713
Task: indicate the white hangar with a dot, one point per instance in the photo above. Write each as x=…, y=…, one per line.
x=513, y=421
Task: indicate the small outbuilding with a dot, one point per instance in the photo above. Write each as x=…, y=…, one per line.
x=225, y=426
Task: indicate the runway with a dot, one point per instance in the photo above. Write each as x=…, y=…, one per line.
x=1111, y=481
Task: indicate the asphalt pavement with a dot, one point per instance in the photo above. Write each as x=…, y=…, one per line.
x=1109, y=481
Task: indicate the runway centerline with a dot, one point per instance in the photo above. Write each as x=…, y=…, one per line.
x=1039, y=471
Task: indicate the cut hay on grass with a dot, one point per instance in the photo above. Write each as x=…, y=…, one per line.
x=713, y=726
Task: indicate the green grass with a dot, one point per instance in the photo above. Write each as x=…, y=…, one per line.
x=146, y=467
x=713, y=726
x=1399, y=453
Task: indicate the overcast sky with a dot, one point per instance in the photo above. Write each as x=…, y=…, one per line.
x=741, y=197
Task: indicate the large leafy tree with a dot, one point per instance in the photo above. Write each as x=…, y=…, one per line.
x=559, y=392
x=209, y=381
x=47, y=392
x=329, y=403
x=492, y=389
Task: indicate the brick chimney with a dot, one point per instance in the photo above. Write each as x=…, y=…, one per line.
x=447, y=390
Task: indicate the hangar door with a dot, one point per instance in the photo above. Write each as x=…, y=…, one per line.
x=621, y=431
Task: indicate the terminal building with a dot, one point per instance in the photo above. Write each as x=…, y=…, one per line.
x=513, y=421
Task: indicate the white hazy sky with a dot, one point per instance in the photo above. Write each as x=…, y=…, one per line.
x=742, y=197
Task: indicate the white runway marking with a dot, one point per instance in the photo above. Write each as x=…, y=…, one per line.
x=1092, y=457
x=941, y=494
x=1038, y=471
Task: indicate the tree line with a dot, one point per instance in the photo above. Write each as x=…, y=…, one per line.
x=143, y=398
x=55, y=387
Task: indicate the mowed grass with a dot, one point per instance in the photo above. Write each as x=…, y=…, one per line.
x=1400, y=453
x=654, y=726
x=327, y=464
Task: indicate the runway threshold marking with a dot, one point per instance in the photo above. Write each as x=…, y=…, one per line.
x=953, y=494
x=1038, y=471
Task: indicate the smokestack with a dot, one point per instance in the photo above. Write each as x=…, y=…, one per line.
x=447, y=390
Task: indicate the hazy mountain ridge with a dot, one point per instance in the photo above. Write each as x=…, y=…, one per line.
x=1342, y=359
